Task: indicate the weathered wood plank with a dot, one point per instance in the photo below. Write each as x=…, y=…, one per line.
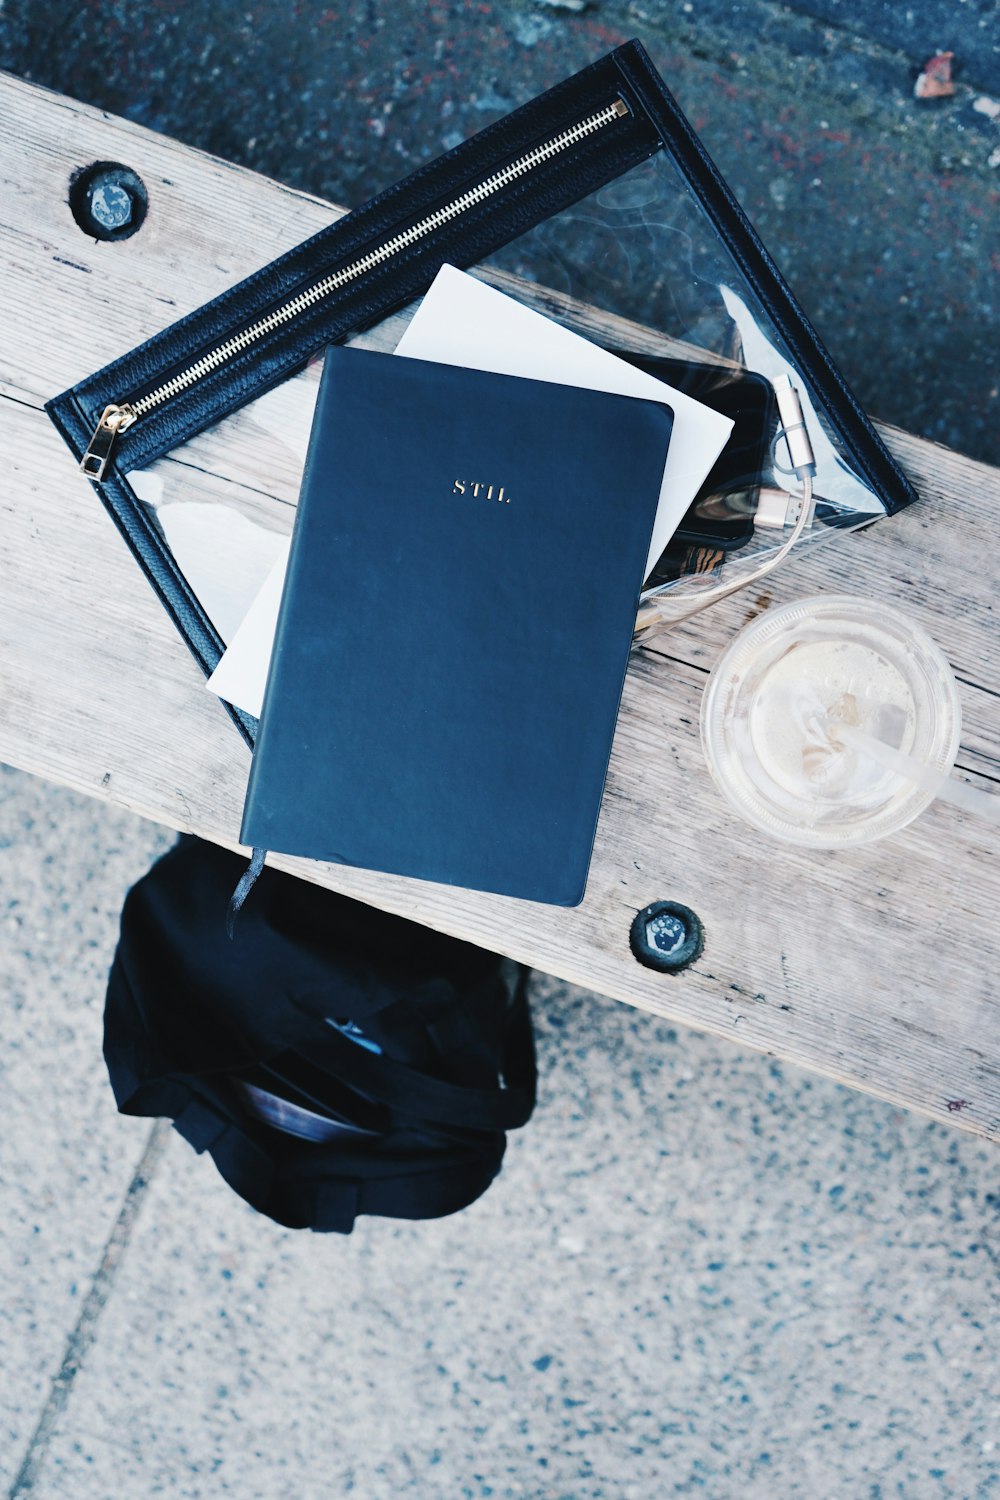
x=875, y=966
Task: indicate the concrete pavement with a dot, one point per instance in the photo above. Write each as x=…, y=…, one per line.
x=700, y=1272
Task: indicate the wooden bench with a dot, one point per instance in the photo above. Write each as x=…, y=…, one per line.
x=877, y=967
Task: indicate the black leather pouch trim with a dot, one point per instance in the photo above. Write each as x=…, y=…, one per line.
x=868, y=453
x=539, y=194
x=655, y=122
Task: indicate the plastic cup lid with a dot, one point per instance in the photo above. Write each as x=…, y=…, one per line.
x=776, y=694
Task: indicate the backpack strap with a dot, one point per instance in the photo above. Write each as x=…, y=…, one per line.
x=245, y=1165
x=334, y=1203
x=412, y=1093
x=468, y=1030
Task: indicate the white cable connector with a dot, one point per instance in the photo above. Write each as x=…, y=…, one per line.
x=776, y=509
x=801, y=459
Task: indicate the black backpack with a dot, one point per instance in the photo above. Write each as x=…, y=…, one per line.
x=334, y=1060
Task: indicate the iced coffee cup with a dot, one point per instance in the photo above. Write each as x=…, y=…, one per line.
x=792, y=702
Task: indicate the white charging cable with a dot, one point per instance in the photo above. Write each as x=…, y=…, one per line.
x=802, y=463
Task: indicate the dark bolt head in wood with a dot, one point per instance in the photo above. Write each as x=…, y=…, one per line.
x=666, y=936
x=107, y=200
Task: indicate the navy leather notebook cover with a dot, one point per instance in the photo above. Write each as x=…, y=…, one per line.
x=455, y=625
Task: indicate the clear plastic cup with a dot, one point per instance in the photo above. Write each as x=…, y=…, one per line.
x=774, y=699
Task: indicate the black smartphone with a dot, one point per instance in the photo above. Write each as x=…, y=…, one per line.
x=722, y=513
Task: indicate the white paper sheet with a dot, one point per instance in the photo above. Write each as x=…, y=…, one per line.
x=241, y=675
x=225, y=557
x=462, y=321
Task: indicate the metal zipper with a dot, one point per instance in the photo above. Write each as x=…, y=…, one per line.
x=119, y=416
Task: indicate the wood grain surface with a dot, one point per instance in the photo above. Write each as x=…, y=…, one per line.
x=875, y=966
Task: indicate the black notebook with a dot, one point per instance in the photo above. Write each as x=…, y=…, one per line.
x=455, y=625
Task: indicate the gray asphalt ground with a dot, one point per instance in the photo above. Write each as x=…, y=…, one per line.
x=701, y=1272
x=883, y=210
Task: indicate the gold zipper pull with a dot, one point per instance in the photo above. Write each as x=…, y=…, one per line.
x=114, y=419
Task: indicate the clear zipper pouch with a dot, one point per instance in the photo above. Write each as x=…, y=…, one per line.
x=593, y=207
